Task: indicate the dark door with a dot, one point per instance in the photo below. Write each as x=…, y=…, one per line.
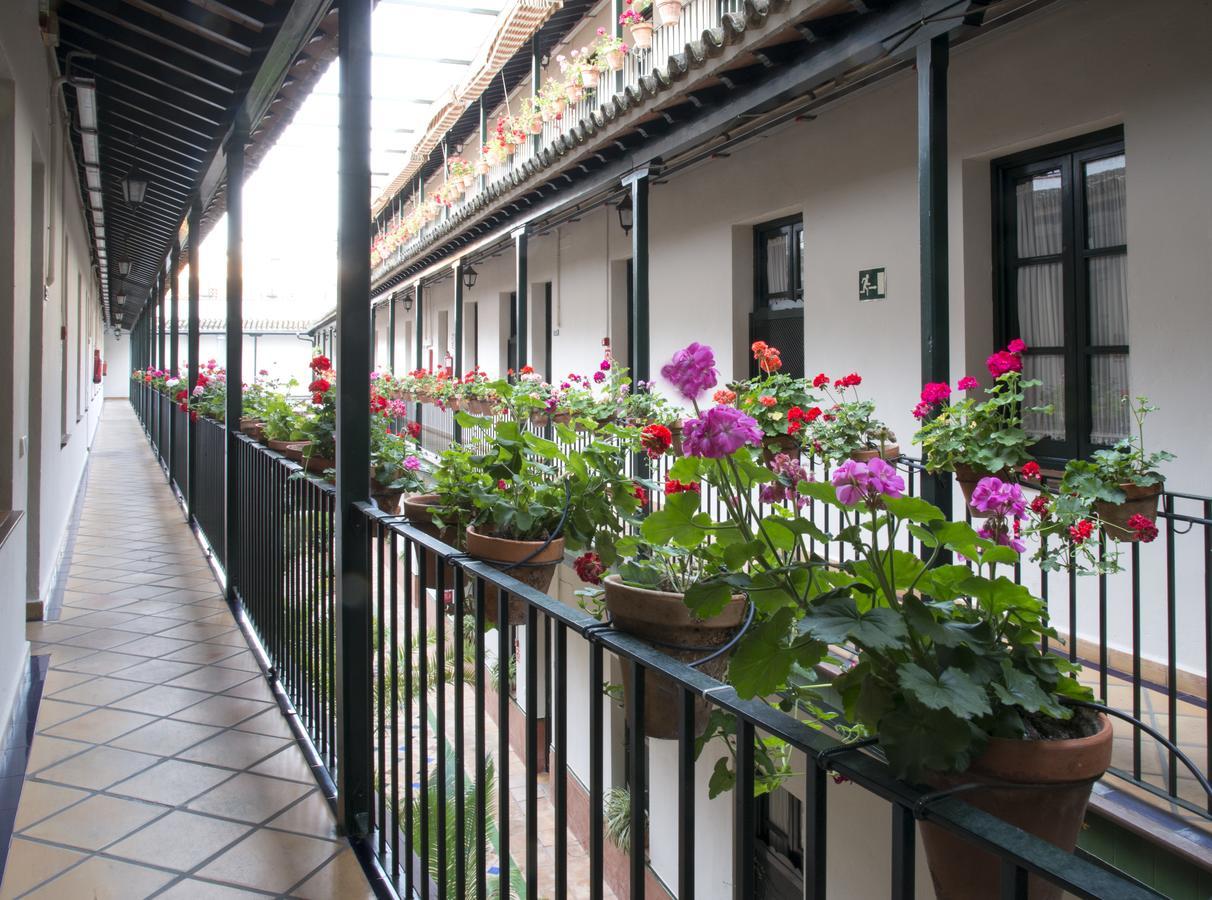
x=778, y=296
x=511, y=354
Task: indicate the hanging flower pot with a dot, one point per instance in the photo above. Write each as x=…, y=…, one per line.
x=589, y=78
x=1060, y=774
x=670, y=11
x=543, y=419
x=1139, y=500
x=561, y=104
x=533, y=564
x=888, y=451
x=419, y=508
x=662, y=618
x=614, y=59
x=774, y=444
x=575, y=92
x=536, y=126
x=641, y=35
x=482, y=165
x=468, y=182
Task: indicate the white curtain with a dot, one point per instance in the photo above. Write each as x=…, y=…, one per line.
x=1107, y=285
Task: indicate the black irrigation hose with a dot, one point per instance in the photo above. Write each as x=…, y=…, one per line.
x=559, y=530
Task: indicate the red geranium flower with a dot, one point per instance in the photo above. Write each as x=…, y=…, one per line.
x=820, y=381
x=589, y=568
x=317, y=399
x=724, y=397
x=319, y=386
x=1144, y=527
x=1081, y=531
x=655, y=439
x=852, y=380
x=1029, y=469
x=767, y=401
x=414, y=429
x=1039, y=506
x=320, y=363
x=640, y=494
x=673, y=486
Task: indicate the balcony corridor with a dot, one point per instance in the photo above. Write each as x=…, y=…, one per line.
x=160, y=764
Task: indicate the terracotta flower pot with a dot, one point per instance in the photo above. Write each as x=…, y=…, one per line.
x=468, y=182
x=675, y=432
x=968, y=478
x=670, y=11
x=542, y=419
x=386, y=498
x=536, y=126
x=536, y=572
x=1064, y=771
x=290, y=449
x=614, y=59
x=774, y=444
x=641, y=35
x=888, y=451
x=248, y=424
x=1139, y=501
x=663, y=619
x=589, y=78
x=419, y=510
x=319, y=464
x=575, y=92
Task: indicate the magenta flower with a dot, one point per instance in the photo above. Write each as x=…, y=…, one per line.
x=1003, y=361
x=857, y=482
x=720, y=432
x=692, y=370
x=884, y=479
x=1016, y=346
x=995, y=497
x=936, y=392
x=605, y=366
x=968, y=383
x=599, y=377
x=412, y=464
x=922, y=410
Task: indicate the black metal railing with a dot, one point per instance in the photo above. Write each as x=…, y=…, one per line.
x=207, y=507
x=164, y=411
x=441, y=818
x=180, y=451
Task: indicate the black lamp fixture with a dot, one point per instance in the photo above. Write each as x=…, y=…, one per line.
x=408, y=302
x=134, y=187
x=124, y=267
x=626, y=216
x=469, y=277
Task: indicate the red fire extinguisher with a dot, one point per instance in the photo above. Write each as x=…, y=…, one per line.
x=97, y=367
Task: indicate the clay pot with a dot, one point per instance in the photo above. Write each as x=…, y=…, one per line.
x=888, y=451
x=290, y=449
x=968, y=478
x=589, y=78
x=468, y=182
x=575, y=92
x=319, y=464
x=663, y=619
x=536, y=572
x=774, y=444
x=542, y=419
x=641, y=35
x=614, y=59
x=387, y=499
x=670, y=11
x=1139, y=501
x=1055, y=811
x=248, y=424
x=675, y=431
x=419, y=510
x=536, y=126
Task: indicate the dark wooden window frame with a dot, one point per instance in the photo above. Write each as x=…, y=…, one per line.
x=1068, y=156
x=761, y=293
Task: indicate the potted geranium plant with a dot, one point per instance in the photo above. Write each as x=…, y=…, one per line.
x=395, y=467
x=949, y=677
x=976, y=439
x=645, y=594
x=778, y=402
x=638, y=18
x=523, y=513
x=608, y=51
x=849, y=428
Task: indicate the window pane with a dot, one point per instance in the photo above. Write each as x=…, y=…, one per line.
x=1110, y=420
x=777, y=265
x=1050, y=369
x=1106, y=216
x=1038, y=207
x=799, y=262
x=1107, y=278
x=1041, y=305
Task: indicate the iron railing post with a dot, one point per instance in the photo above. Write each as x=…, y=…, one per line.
x=193, y=350
x=174, y=361
x=391, y=334
x=235, y=355
x=354, y=699
x=418, y=339
x=457, y=270
x=522, y=303
x=932, y=213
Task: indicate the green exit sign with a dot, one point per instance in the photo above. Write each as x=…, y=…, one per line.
x=873, y=284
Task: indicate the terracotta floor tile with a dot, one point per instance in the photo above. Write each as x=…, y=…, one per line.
x=181, y=840
x=234, y=749
x=214, y=679
x=104, y=879
x=99, y=691
x=47, y=750
x=30, y=863
x=159, y=700
x=223, y=711
x=173, y=782
x=341, y=877
x=40, y=800
x=95, y=822
x=249, y=798
x=271, y=860
x=194, y=889
x=99, y=726
x=98, y=768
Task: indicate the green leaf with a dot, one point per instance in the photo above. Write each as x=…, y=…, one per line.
x=722, y=778
x=678, y=522
x=914, y=509
x=838, y=620
x=1021, y=689
x=763, y=660
x=686, y=469
x=543, y=447
x=953, y=690
x=819, y=490
x=707, y=599
x=917, y=740
x=945, y=582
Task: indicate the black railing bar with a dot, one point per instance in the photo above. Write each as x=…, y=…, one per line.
x=1156, y=735
x=1159, y=792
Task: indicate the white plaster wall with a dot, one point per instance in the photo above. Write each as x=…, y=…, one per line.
x=44, y=444
x=117, y=357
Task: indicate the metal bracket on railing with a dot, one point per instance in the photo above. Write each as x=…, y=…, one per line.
x=822, y=758
x=919, y=807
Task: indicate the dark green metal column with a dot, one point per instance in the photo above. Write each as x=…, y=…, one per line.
x=418, y=336
x=174, y=360
x=483, y=140
x=193, y=348
x=235, y=355
x=521, y=253
x=638, y=351
x=932, y=211
x=457, y=270
x=374, y=336
x=354, y=700
x=391, y=334
x=162, y=336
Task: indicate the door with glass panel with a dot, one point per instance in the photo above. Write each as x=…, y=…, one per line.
x=778, y=295
x=1061, y=253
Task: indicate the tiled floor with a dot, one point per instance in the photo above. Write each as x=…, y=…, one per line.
x=153, y=771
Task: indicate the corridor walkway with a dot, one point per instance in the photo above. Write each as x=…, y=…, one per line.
x=160, y=764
